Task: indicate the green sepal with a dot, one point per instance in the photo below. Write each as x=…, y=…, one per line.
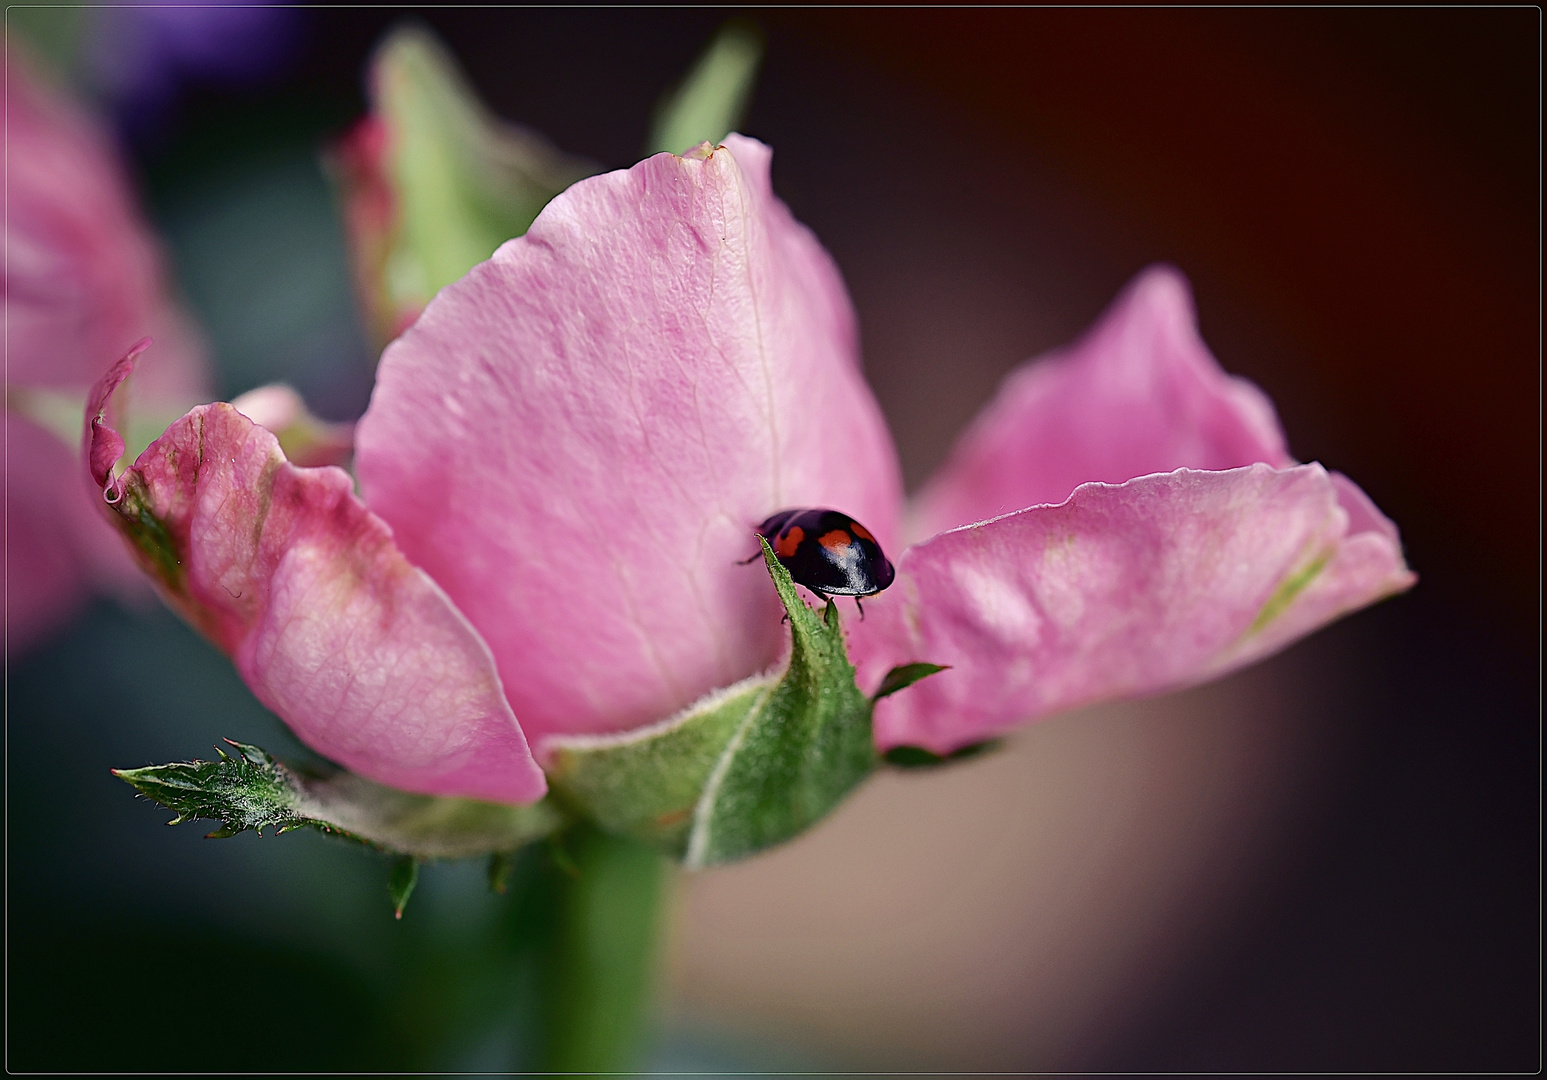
x=401, y=882
x=245, y=790
x=905, y=675
x=916, y=757
x=647, y=783
x=250, y=789
x=711, y=100
x=745, y=768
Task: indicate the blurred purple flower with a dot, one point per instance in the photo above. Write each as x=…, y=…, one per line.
x=139, y=56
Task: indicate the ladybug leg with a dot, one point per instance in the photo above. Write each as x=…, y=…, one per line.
x=861, y=609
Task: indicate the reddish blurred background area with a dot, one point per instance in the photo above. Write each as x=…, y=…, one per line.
x=1353, y=194
x=1330, y=862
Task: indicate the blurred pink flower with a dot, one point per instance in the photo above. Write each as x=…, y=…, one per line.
x=83, y=279
x=572, y=445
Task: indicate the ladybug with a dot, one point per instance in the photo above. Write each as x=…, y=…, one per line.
x=828, y=552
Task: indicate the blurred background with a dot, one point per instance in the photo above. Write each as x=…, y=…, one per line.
x=1327, y=862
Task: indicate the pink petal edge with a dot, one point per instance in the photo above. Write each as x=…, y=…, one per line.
x=360, y=653
x=577, y=439
x=306, y=440
x=1140, y=393
x=1157, y=583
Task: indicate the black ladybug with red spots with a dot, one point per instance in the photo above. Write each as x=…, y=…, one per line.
x=828, y=552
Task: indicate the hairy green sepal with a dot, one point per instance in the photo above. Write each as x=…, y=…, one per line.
x=250, y=789
x=244, y=790
x=747, y=767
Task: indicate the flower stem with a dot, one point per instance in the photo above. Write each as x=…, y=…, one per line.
x=596, y=959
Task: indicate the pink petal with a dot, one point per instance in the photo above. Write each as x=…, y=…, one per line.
x=1122, y=590
x=1139, y=394
x=359, y=652
x=577, y=439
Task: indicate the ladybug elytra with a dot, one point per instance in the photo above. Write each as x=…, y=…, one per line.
x=828, y=552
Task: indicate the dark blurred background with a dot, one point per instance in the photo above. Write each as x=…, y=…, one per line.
x=1354, y=195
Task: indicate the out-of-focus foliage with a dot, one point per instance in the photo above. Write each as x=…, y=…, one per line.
x=433, y=182
x=712, y=99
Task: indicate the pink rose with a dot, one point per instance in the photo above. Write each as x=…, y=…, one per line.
x=566, y=454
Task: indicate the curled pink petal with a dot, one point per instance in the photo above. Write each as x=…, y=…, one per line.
x=577, y=439
x=360, y=653
x=1138, y=394
x=104, y=446
x=1160, y=582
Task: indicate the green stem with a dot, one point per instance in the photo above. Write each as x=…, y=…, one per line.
x=599, y=906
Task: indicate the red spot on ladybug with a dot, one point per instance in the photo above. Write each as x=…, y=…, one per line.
x=788, y=542
x=836, y=540
x=828, y=552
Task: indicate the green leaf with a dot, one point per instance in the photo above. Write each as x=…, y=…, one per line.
x=905, y=675
x=401, y=882
x=710, y=102
x=743, y=769
x=252, y=790
x=916, y=757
